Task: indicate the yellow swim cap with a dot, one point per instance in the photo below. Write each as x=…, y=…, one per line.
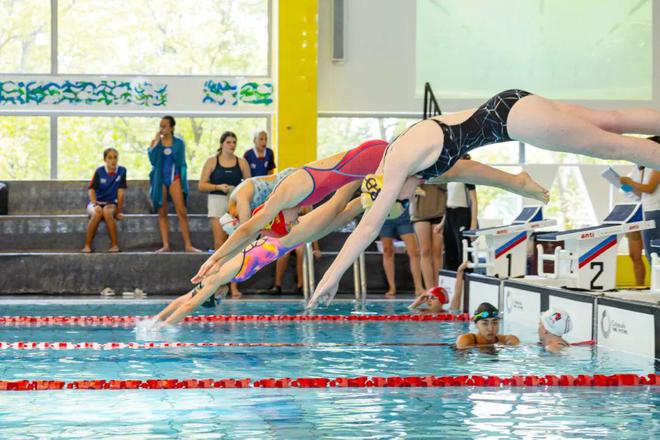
x=371, y=186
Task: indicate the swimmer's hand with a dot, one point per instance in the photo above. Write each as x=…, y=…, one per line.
x=203, y=271
x=324, y=293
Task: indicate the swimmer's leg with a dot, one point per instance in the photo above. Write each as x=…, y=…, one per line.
x=545, y=124
x=629, y=120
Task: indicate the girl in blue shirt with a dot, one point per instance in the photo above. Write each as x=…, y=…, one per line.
x=106, y=198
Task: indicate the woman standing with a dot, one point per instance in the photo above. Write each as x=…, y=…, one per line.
x=221, y=173
x=428, y=210
x=168, y=178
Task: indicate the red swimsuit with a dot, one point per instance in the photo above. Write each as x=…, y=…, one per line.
x=356, y=164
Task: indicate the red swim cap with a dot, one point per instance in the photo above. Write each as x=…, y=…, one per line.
x=276, y=227
x=440, y=293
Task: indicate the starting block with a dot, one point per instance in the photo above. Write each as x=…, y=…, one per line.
x=588, y=260
x=507, y=245
x=655, y=266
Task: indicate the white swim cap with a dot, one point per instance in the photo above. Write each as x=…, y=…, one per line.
x=229, y=223
x=557, y=321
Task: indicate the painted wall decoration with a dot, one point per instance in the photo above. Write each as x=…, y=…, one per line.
x=103, y=92
x=226, y=93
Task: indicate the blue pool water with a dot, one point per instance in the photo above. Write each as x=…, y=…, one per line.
x=304, y=413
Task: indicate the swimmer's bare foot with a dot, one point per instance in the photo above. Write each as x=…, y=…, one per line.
x=390, y=293
x=235, y=293
x=419, y=292
x=530, y=188
x=86, y=250
x=114, y=249
x=163, y=249
x=192, y=249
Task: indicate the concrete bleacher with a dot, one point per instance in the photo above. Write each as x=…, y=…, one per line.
x=41, y=238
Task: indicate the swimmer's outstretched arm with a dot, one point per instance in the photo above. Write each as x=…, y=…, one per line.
x=248, y=231
x=187, y=303
x=366, y=231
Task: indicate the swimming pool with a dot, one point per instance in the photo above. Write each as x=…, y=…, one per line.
x=331, y=349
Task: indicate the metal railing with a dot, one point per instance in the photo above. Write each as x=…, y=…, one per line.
x=431, y=107
x=359, y=278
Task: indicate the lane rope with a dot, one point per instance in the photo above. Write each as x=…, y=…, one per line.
x=124, y=320
x=33, y=345
x=581, y=380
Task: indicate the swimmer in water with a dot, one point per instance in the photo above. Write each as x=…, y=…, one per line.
x=554, y=324
x=487, y=320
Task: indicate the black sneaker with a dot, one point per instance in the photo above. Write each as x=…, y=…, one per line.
x=274, y=290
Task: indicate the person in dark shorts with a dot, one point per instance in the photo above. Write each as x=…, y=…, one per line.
x=106, y=199
x=400, y=227
x=428, y=210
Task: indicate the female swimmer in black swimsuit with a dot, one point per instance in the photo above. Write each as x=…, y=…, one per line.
x=431, y=147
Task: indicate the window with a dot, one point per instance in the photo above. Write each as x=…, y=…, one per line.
x=538, y=155
x=25, y=36
x=341, y=134
x=24, y=148
x=164, y=37
x=83, y=139
x=502, y=153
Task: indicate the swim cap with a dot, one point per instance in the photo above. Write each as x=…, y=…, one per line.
x=371, y=186
x=229, y=223
x=557, y=321
x=440, y=293
x=484, y=311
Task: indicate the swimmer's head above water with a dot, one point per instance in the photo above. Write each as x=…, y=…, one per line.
x=487, y=319
x=555, y=321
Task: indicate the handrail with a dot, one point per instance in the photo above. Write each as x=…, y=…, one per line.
x=431, y=107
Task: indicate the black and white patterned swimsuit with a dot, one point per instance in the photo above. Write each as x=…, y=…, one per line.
x=488, y=125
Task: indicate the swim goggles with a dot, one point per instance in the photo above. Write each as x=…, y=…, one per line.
x=486, y=314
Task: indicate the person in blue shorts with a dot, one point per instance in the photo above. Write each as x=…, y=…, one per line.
x=106, y=198
x=261, y=158
x=400, y=227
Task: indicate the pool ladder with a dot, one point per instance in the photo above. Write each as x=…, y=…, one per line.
x=359, y=278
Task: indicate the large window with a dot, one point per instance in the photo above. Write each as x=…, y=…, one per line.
x=163, y=37
x=25, y=36
x=24, y=148
x=82, y=140
x=340, y=134
x=587, y=49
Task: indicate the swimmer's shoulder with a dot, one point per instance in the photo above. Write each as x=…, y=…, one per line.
x=466, y=340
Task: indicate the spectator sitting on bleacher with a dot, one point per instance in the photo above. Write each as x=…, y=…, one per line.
x=106, y=198
x=554, y=324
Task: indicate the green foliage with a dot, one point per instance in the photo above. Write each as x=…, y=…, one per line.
x=24, y=148
x=83, y=139
x=25, y=36
x=164, y=37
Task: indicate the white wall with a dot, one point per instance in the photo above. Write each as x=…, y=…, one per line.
x=378, y=74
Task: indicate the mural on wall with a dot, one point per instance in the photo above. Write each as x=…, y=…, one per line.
x=223, y=93
x=103, y=92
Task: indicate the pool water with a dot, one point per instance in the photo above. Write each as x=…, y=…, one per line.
x=330, y=351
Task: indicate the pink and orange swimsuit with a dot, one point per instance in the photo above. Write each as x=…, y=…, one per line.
x=259, y=255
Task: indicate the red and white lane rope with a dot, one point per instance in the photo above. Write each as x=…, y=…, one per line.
x=163, y=345
x=113, y=320
x=33, y=345
x=581, y=380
